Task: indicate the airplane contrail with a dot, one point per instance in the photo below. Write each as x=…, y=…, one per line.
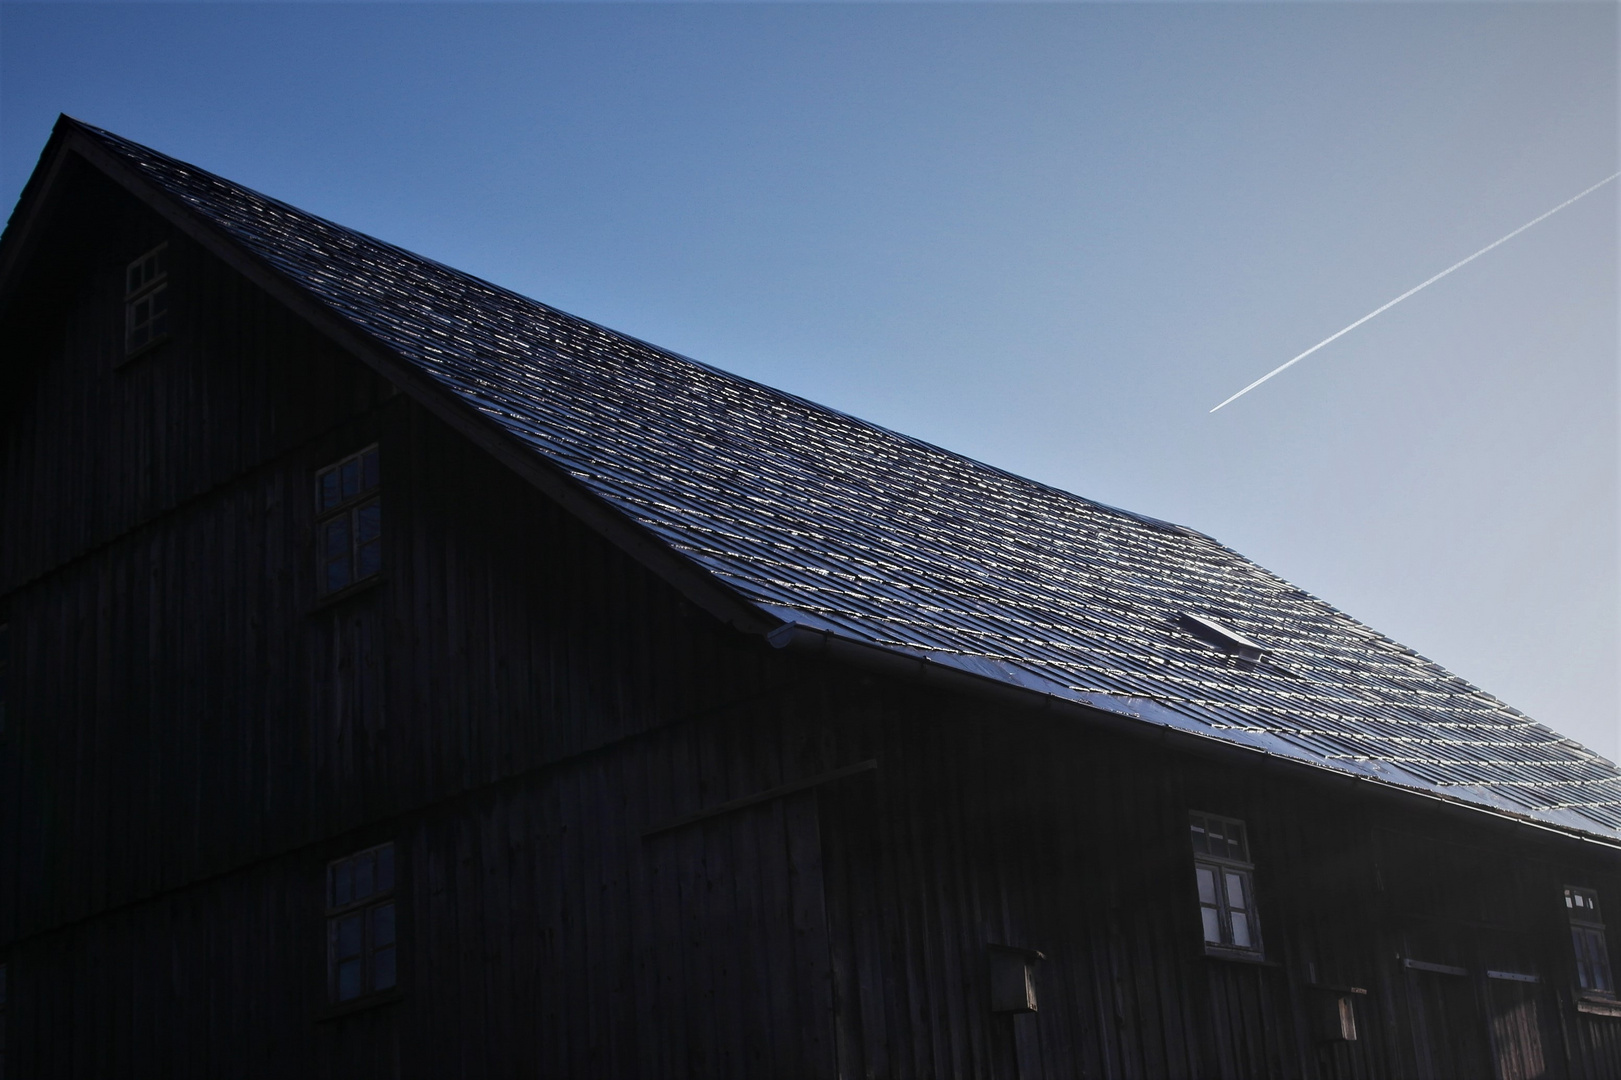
x=1455, y=266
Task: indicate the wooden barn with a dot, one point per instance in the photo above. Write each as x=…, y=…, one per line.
x=402, y=678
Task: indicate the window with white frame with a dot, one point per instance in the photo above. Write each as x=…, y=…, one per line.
x=1226, y=883
x=146, y=300
x=360, y=925
x=349, y=521
x=1587, y=937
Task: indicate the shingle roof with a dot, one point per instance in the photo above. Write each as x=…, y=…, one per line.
x=824, y=520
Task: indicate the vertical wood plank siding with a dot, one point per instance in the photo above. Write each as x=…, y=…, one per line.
x=193, y=734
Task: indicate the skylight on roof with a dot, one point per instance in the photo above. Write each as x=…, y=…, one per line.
x=1208, y=629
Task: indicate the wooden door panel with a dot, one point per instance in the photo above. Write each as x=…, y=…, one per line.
x=744, y=983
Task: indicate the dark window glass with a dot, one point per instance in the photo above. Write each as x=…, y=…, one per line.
x=368, y=540
x=383, y=969
x=385, y=868
x=361, y=933
x=350, y=538
x=382, y=936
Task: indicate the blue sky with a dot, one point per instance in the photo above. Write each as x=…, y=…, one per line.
x=1048, y=236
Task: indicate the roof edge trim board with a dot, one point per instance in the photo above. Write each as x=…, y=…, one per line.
x=825, y=644
x=23, y=229
x=693, y=582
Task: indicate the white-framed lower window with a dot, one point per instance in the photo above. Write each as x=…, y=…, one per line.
x=1587, y=938
x=1225, y=879
x=361, y=940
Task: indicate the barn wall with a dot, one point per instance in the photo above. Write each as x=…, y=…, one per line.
x=844, y=928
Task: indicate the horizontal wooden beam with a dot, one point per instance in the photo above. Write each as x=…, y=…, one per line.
x=764, y=796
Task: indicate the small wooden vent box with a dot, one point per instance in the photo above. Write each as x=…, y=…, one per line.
x=1013, y=979
x=1333, y=1013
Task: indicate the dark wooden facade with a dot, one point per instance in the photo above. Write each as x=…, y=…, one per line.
x=538, y=723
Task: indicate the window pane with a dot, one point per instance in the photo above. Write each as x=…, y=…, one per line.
x=1196, y=823
x=335, y=537
x=342, y=883
x=337, y=574
x=328, y=484
x=1235, y=841
x=1235, y=891
x=364, y=864
x=1212, y=925
x=385, y=868
x=368, y=471
x=382, y=925
x=1207, y=885
x=348, y=980
x=1592, y=959
x=1241, y=930
x=349, y=936
x=368, y=522
x=351, y=478
x=369, y=560
x=383, y=969
x=1584, y=973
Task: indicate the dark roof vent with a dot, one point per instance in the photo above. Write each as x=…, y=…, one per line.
x=1208, y=629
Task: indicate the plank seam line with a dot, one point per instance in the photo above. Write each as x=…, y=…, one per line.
x=767, y=795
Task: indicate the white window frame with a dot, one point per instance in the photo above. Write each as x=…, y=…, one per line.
x=1224, y=885
x=1589, y=942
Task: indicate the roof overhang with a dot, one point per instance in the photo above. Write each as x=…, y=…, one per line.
x=1138, y=719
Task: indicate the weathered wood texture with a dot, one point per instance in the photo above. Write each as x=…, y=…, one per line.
x=520, y=708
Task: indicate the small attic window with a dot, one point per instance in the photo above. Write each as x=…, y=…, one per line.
x=146, y=300
x=1224, y=638
x=349, y=523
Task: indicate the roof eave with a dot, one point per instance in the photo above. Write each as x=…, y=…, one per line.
x=821, y=642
